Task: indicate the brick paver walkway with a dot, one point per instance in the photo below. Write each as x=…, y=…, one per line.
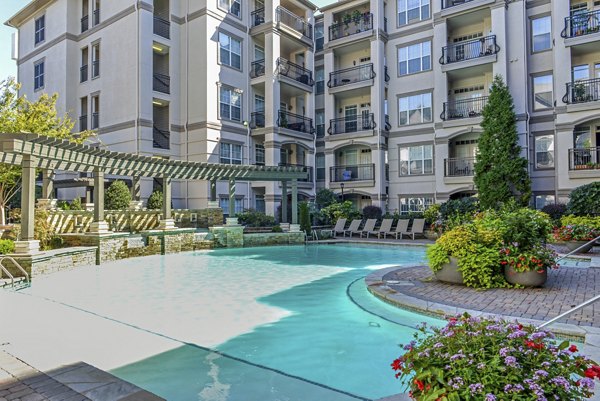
x=565, y=288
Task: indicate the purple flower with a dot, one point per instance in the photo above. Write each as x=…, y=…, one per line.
x=481, y=366
x=560, y=382
x=541, y=373
x=537, y=335
x=476, y=388
x=490, y=397
x=586, y=382
x=504, y=351
x=456, y=382
x=517, y=334
x=511, y=361
x=410, y=345
x=438, y=345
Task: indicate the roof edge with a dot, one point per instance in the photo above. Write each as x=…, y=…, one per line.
x=26, y=12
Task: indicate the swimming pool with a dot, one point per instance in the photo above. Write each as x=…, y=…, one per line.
x=273, y=323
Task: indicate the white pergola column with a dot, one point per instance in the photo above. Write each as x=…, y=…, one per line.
x=167, y=222
x=47, y=200
x=136, y=194
x=27, y=244
x=231, y=220
x=99, y=226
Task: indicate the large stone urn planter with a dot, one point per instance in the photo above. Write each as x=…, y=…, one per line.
x=572, y=245
x=449, y=272
x=526, y=279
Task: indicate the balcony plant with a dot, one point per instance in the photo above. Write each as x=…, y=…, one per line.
x=474, y=358
x=347, y=19
x=356, y=15
x=576, y=235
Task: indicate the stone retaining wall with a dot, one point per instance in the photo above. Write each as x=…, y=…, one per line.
x=266, y=239
x=53, y=261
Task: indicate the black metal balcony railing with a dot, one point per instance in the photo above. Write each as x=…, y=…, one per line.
x=83, y=123
x=294, y=71
x=581, y=23
x=95, y=120
x=352, y=75
x=307, y=169
x=162, y=27
x=293, y=21
x=161, y=139
x=452, y=3
x=469, y=50
x=83, y=73
x=357, y=172
x=257, y=17
x=387, y=76
x=295, y=122
x=85, y=23
x=584, y=159
x=352, y=26
x=257, y=119
x=257, y=68
x=459, y=167
x=95, y=68
x=356, y=123
x=96, y=16
x=161, y=83
x=582, y=91
x=467, y=108
x=388, y=125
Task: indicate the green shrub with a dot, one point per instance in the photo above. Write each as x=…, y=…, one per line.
x=585, y=200
x=155, y=201
x=325, y=197
x=556, y=212
x=43, y=231
x=344, y=210
x=277, y=229
x=432, y=214
x=305, y=218
x=117, y=196
x=63, y=205
x=76, y=204
x=591, y=222
x=6, y=246
x=372, y=212
x=253, y=218
x=458, y=211
x=526, y=227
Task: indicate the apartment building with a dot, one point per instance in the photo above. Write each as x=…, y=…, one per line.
x=380, y=100
x=218, y=82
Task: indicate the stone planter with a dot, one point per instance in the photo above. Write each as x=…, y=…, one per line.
x=431, y=235
x=449, y=272
x=526, y=279
x=572, y=245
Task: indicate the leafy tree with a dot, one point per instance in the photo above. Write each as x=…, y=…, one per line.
x=500, y=171
x=17, y=114
x=585, y=200
x=305, y=217
x=155, y=201
x=117, y=196
x=325, y=197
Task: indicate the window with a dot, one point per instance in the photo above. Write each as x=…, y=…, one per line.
x=320, y=122
x=414, y=58
x=83, y=70
x=412, y=10
x=543, y=200
x=417, y=204
x=230, y=104
x=542, y=92
x=40, y=29
x=580, y=72
x=544, y=151
x=259, y=154
x=259, y=203
x=416, y=160
x=541, y=34
x=38, y=75
x=95, y=112
x=319, y=36
x=83, y=118
x=96, y=13
x=320, y=165
x=96, y=60
x=231, y=6
x=224, y=204
x=415, y=109
x=231, y=153
x=230, y=51
x=320, y=80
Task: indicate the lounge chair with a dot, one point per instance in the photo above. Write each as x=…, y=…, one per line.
x=368, y=227
x=401, y=228
x=417, y=228
x=339, y=228
x=385, y=228
x=353, y=227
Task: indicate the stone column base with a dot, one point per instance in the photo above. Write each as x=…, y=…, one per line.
x=46, y=204
x=294, y=228
x=232, y=221
x=27, y=247
x=99, y=227
x=166, y=224
x=213, y=204
x=136, y=205
x=88, y=207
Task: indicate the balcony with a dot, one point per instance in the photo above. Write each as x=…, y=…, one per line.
x=459, y=167
x=468, y=108
x=161, y=83
x=307, y=169
x=162, y=27
x=257, y=17
x=83, y=120
x=83, y=73
x=469, y=50
x=95, y=120
x=257, y=119
x=352, y=75
x=161, y=139
x=346, y=125
x=352, y=26
x=584, y=159
x=85, y=23
x=295, y=122
x=452, y=3
x=358, y=172
x=294, y=71
x=257, y=69
x=581, y=24
x=292, y=21
x=582, y=91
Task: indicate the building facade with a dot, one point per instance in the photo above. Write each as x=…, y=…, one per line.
x=381, y=101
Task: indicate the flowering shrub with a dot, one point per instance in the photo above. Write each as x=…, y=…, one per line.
x=538, y=258
x=489, y=359
x=575, y=232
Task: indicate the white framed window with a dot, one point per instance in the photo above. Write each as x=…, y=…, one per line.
x=415, y=109
x=95, y=111
x=320, y=80
x=224, y=204
x=416, y=160
x=412, y=10
x=95, y=60
x=38, y=75
x=230, y=104
x=230, y=51
x=414, y=58
x=544, y=151
x=320, y=166
x=542, y=92
x=232, y=7
x=259, y=154
x=541, y=34
x=40, y=30
x=230, y=153
x=415, y=204
x=543, y=200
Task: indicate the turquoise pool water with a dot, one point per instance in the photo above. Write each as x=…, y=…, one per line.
x=256, y=324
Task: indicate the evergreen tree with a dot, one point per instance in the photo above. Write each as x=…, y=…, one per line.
x=500, y=171
x=117, y=196
x=155, y=201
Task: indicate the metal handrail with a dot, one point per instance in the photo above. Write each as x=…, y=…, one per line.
x=17, y=265
x=12, y=278
x=577, y=249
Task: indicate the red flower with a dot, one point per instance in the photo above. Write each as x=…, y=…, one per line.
x=397, y=364
x=573, y=348
x=420, y=385
x=592, y=372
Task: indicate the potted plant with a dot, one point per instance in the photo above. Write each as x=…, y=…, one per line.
x=575, y=236
x=489, y=359
x=579, y=92
x=528, y=268
x=347, y=19
x=356, y=16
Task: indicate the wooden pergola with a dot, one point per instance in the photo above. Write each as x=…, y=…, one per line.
x=32, y=151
